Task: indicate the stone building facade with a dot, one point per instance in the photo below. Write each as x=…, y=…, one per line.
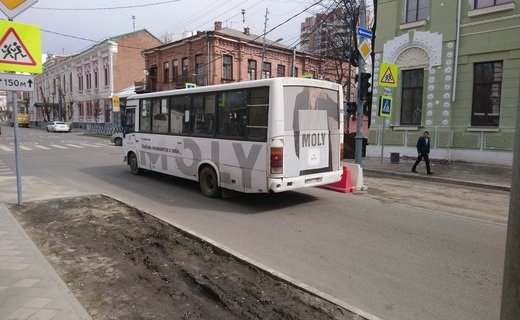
x=458, y=78
x=225, y=55
x=79, y=88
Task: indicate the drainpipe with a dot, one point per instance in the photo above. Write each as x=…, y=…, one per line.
x=457, y=45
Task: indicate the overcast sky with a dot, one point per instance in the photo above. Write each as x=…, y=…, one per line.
x=63, y=22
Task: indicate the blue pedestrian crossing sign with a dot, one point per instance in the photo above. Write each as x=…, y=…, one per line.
x=385, y=107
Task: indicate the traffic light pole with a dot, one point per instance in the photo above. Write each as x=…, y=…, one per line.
x=359, y=111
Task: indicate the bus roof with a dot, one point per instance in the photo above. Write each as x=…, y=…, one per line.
x=239, y=85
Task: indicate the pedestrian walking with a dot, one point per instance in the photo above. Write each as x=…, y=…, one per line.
x=423, y=150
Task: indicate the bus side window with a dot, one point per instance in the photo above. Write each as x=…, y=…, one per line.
x=232, y=114
x=258, y=108
x=179, y=115
x=145, y=115
x=160, y=116
x=203, y=114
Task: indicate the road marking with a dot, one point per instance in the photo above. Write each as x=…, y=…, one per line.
x=74, y=146
x=25, y=148
x=57, y=146
x=90, y=145
x=5, y=148
x=42, y=147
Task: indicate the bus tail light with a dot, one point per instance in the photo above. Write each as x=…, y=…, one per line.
x=276, y=160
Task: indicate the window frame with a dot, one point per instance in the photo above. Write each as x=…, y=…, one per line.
x=251, y=69
x=413, y=14
x=227, y=67
x=489, y=104
x=166, y=72
x=416, y=91
x=494, y=4
x=266, y=72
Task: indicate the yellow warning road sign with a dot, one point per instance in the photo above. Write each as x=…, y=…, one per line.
x=20, y=47
x=12, y=8
x=388, y=75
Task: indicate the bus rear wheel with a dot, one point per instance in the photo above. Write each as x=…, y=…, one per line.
x=134, y=164
x=208, y=182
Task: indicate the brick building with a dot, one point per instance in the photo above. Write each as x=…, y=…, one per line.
x=79, y=88
x=225, y=55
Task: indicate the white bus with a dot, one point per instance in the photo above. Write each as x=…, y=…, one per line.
x=267, y=135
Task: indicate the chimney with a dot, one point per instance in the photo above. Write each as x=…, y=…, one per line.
x=246, y=31
x=218, y=25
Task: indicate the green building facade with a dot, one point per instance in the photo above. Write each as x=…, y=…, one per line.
x=458, y=78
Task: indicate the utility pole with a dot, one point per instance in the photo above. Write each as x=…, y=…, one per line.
x=510, y=294
x=359, y=111
x=263, y=44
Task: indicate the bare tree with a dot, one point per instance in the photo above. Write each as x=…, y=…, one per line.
x=46, y=107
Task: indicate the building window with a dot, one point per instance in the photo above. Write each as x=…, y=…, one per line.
x=199, y=69
x=489, y=3
x=416, y=10
x=266, y=70
x=411, y=107
x=80, y=82
x=96, y=80
x=166, y=72
x=487, y=87
x=106, y=76
x=280, y=70
x=89, y=80
x=70, y=82
x=185, y=69
x=175, y=71
x=295, y=72
x=251, y=70
x=227, y=67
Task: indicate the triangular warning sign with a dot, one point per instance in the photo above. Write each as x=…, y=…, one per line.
x=388, y=78
x=14, y=51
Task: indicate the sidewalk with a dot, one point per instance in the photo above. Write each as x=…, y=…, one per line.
x=459, y=173
x=29, y=286
x=31, y=289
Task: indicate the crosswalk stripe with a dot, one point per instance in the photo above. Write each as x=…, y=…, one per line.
x=74, y=146
x=42, y=147
x=58, y=146
x=25, y=148
x=90, y=145
x=102, y=144
x=6, y=148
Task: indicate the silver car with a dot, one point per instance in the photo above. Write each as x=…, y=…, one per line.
x=58, y=126
x=117, y=138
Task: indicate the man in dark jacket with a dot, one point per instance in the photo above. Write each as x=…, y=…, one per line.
x=423, y=150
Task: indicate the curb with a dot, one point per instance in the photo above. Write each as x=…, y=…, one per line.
x=375, y=173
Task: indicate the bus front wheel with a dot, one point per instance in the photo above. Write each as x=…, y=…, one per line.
x=208, y=182
x=134, y=164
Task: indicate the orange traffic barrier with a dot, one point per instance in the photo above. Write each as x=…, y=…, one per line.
x=344, y=185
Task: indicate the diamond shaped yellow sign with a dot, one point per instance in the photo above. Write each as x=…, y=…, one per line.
x=12, y=8
x=364, y=49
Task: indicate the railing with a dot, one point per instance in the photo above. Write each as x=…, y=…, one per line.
x=103, y=128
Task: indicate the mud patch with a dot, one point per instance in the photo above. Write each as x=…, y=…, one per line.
x=122, y=263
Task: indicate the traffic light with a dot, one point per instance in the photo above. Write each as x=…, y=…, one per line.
x=351, y=108
x=364, y=84
x=354, y=58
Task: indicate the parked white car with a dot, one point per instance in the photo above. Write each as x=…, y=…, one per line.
x=58, y=126
x=117, y=138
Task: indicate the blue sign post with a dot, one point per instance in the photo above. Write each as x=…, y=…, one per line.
x=364, y=32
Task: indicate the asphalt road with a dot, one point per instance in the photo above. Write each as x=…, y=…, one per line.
x=403, y=250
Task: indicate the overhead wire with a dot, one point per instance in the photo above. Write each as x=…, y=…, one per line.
x=106, y=8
